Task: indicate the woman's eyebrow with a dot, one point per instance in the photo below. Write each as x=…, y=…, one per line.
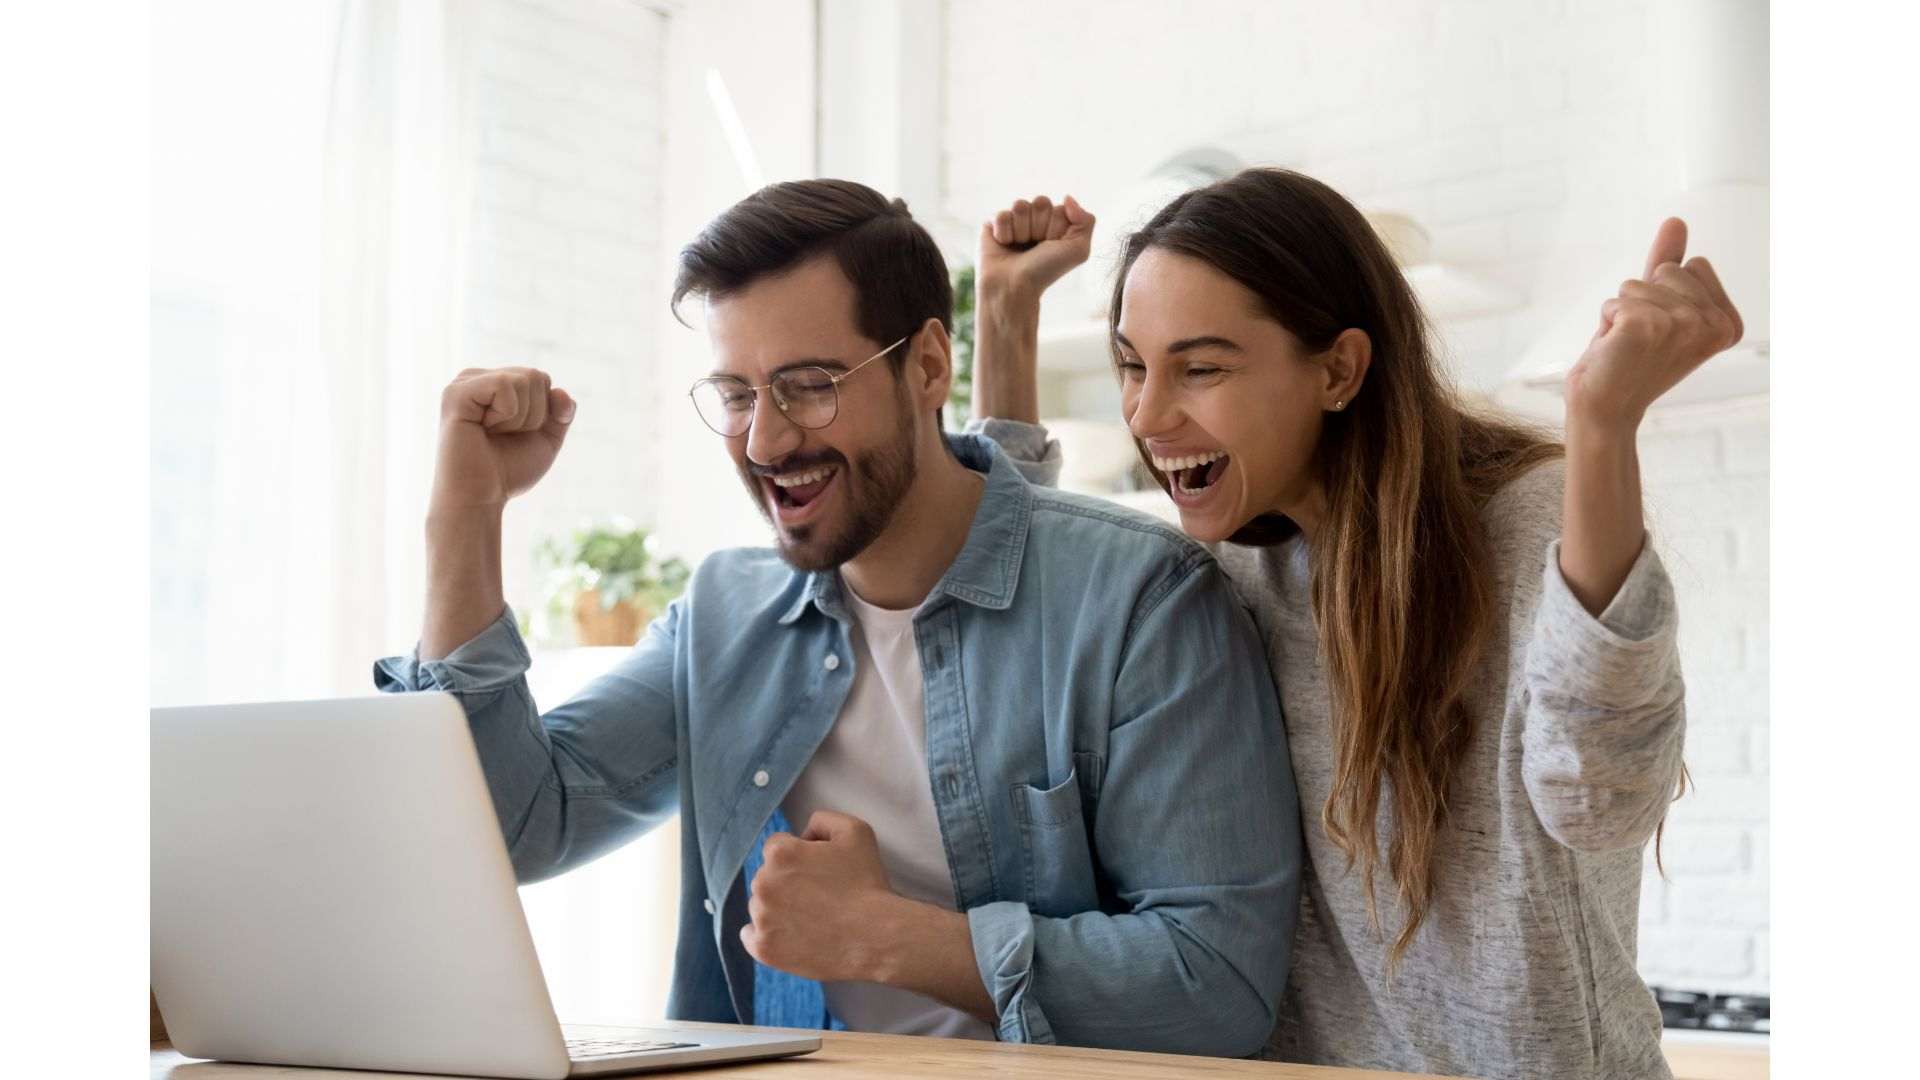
x=1204, y=341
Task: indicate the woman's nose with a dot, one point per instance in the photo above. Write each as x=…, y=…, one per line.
x=1153, y=410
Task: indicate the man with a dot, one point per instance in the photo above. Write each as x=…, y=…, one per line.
x=1029, y=739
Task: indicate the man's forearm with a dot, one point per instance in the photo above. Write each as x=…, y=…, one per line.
x=464, y=594
x=1006, y=354
x=928, y=950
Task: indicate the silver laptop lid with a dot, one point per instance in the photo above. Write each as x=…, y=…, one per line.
x=330, y=888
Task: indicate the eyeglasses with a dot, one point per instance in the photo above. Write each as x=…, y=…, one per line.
x=809, y=396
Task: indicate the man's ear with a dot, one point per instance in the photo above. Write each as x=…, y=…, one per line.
x=1346, y=364
x=929, y=365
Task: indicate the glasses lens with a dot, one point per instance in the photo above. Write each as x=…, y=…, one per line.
x=725, y=405
x=807, y=395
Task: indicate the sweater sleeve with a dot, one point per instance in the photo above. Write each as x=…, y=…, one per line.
x=1605, y=714
x=1035, y=453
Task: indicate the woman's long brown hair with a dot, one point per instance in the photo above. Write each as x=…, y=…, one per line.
x=1402, y=571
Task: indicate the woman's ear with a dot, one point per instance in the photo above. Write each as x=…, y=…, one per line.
x=1346, y=364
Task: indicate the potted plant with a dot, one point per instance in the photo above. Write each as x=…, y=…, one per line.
x=606, y=576
x=960, y=395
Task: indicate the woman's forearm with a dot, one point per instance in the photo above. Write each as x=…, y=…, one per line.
x=1602, y=528
x=1006, y=351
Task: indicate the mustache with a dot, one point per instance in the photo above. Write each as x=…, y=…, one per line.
x=795, y=463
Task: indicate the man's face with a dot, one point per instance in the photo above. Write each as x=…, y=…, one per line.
x=857, y=469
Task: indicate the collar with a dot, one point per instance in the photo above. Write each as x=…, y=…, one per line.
x=987, y=570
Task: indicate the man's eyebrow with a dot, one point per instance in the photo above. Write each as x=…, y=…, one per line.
x=827, y=362
x=1204, y=341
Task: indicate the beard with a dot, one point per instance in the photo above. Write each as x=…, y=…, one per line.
x=873, y=484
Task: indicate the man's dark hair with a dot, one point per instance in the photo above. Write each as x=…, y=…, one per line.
x=899, y=278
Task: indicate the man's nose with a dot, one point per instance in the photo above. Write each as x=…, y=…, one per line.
x=770, y=435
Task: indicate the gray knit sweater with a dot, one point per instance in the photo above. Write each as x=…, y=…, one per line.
x=1525, y=965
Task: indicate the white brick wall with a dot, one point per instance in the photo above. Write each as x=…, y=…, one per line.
x=1705, y=468
x=1526, y=135
x=565, y=251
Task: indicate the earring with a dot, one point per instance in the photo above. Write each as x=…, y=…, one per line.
x=1338, y=405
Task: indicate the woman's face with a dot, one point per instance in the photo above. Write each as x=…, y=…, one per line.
x=1228, y=403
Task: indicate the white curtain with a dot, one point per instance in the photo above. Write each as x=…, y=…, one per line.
x=309, y=213
x=313, y=170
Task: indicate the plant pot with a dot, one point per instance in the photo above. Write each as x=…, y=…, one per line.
x=596, y=625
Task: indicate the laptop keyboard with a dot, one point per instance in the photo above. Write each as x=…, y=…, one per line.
x=582, y=1049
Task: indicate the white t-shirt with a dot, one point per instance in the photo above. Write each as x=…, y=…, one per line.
x=873, y=766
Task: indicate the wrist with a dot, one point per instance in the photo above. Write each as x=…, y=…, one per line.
x=1594, y=414
x=1007, y=292
x=898, y=932
x=1601, y=430
x=450, y=512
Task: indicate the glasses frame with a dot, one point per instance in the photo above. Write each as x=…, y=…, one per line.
x=777, y=402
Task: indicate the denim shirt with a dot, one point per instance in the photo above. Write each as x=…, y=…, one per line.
x=1104, y=746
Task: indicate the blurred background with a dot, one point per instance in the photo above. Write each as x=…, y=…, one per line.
x=354, y=199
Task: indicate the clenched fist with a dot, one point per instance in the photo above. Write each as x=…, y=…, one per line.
x=1652, y=335
x=817, y=899
x=500, y=430
x=1028, y=246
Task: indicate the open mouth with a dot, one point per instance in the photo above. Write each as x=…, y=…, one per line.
x=1194, y=474
x=795, y=494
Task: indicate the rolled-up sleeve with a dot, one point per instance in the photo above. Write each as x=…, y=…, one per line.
x=1198, y=835
x=579, y=781
x=1606, y=709
x=476, y=672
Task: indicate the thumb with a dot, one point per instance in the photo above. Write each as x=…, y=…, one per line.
x=831, y=825
x=1078, y=216
x=1669, y=246
x=560, y=410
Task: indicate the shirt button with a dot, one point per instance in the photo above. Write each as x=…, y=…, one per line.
x=760, y=778
x=709, y=906
x=832, y=662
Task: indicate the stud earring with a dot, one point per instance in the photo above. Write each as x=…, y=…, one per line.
x=1338, y=405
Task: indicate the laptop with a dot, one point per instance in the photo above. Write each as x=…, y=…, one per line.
x=330, y=888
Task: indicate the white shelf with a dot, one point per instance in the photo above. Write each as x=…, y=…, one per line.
x=1076, y=346
x=1735, y=375
x=1447, y=292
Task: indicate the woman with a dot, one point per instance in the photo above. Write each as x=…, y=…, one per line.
x=1472, y=639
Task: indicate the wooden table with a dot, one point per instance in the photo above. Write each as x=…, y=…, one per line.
x=852, y=1056
x=845, y=1054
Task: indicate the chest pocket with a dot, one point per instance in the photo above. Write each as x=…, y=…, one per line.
x=1056, y=828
